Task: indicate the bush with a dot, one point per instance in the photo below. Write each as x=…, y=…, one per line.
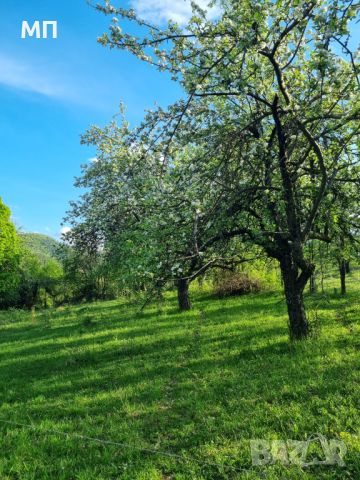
x=232, y=283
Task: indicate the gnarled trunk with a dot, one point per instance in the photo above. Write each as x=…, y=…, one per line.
x=183, y=294
x=294, y=285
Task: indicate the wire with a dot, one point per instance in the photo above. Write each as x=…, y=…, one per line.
x=123, y=444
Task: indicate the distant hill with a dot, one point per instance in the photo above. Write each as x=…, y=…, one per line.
x=43, y=246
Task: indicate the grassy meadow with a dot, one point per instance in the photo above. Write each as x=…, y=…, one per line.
x=101, y=391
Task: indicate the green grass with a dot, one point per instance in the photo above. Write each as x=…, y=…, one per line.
x=199, y=385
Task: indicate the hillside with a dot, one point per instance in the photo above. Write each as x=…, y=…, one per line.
x=102, y=392
x=43, y=246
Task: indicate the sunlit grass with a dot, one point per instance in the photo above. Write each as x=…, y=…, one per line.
x=199, y=385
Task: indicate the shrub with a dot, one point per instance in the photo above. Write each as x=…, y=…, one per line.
x=231, y=283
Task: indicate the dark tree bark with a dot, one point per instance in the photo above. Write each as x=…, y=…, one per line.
x=183, y=294
x=294, y=285
x=347, y=267
x=296, y=271
x=342, y=270
x=312, y=284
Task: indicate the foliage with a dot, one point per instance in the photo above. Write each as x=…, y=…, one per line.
x=9, y=258
x=271, y=117
x=43, y=246
x=86, y=276
x=40, y=278
x=47, y=273
x=157, y=224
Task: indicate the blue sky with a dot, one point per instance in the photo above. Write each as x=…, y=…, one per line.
x=51, y=90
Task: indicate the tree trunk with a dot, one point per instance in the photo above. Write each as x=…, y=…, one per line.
x=347, y=267
x=294, y=288
x=342, y=269
x=313, y=284
x=322, y=272
x=183, y=294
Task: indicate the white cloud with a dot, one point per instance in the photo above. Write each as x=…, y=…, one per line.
x=29, y=77
x=162, y=10
x=48, y=78
x=65, y=230
x=93, y=160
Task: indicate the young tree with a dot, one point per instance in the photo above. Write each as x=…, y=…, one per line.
x=346, y=235
x=9, y=258
x=39, y=279
x=273, y=101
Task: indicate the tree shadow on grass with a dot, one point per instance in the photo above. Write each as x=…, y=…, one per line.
x=73, y=358
x=183, y=352
x=173, y=401
x=184, y=392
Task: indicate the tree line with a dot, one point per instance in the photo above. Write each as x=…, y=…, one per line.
x=38, y=271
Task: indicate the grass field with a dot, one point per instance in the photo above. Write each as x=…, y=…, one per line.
x=163, y=395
